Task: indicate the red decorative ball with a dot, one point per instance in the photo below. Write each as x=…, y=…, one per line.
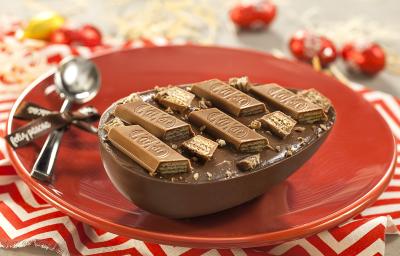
x=305, y=45
x=256, y=14
x=62, y=36
x=363, y=56
x=89, y=35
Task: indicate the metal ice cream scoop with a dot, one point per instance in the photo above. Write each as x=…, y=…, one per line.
x=77, y=80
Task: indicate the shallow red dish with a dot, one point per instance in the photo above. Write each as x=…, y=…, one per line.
x=346, y=174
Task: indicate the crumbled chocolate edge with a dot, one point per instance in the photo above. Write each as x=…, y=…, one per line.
x=249, y=163
x=115, y=122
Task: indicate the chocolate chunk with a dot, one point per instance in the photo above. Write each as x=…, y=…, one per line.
x=203, y=103
x=228, y=98
x=220, y=125
x=131, y=98
x=156, y=121
x=279, y=123
x=255, y=124
x=221, y=143
x=299, y=129
x=169, y=111
x=240, y=83
x=202, y=128
x=175, y=98
x=228, y=174
x=289, y=152
x=112, y=123
x=201, y=147
x=147, y=150
x=290, y=103
x=317, y=98
x=249, y=163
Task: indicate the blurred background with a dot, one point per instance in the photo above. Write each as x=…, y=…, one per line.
x=212, y=22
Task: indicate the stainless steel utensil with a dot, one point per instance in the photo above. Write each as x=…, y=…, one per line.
x=77, y=80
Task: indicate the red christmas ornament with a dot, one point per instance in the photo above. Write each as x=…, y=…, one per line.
x=364, y=56
x=89, y=35
x=255, y=14
x=62, y=36
x=305, y=45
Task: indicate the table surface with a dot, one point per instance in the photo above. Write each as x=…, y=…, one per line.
x=292, y=15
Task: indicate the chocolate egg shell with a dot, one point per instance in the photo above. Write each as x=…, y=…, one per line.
x=217, y=184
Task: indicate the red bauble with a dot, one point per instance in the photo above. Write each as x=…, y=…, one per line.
x=363, y=56
x=255, y=14
x=62, y=36
x=89, y=35
x=305, y=45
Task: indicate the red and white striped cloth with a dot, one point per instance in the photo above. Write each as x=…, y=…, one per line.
x=25, y=219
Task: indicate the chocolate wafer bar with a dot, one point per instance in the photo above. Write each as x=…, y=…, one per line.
x=201, y=147
x=279, y=123
x=288, y=102
x=228, y=98
x=317, y=98
x=156, y=121
x=146, y=149
x=221, y=125
x=175, y=98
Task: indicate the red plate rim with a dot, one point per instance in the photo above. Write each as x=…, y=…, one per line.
x=243, y=241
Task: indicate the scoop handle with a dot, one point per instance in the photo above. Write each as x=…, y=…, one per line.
x=43, y=167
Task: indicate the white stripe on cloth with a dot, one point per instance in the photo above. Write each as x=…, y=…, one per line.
x=394, y=183
x=94, y=237
x=282, y=248
x=238, y=252
x=8, y=179
x=4, y=162
x=389, y=101
x=377, y=247
x=389, y=195
x=173, y=250
x=3, y=116
x=3, y=152
x=14, y=233
x=9, y=96
x=381, y=209
x=211, y=252
x=353, y=237
x=389, y=120
x=27, y=195
x=6, y=106
x=20, y=212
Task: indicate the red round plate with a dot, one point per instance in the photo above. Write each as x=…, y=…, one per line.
x=348, y=172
